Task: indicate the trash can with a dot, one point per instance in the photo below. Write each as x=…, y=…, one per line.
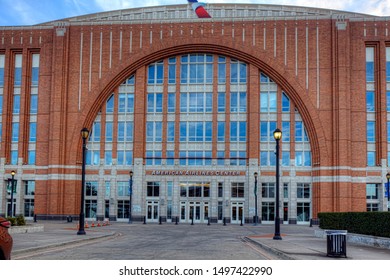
x=69, y=219
x=336, y=243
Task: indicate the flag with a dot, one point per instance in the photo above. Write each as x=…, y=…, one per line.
x=199, y=9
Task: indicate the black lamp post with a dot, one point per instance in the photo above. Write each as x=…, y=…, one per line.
x=130, y=194
x=84, y=136
x=277, y=136
x=12, y=192
x=388, y=189
x=256, y=218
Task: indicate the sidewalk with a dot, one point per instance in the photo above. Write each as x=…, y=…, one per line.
x=298, y=241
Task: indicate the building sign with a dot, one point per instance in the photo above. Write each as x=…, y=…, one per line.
x=195, y=173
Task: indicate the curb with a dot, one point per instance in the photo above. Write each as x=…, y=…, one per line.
x=269, y=249
x=26, y=229
x=64, y=243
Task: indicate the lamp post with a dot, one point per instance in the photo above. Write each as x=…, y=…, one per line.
x=12, y=192
x=84, y=136
x=277, y=136
x=130, y=194
x=256, y=219
x=388, y=189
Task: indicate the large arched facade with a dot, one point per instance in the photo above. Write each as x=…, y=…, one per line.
x=188, y=106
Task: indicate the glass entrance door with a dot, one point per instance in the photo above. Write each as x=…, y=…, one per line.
x=237, y=212
x=196, y=211
x=152, y=210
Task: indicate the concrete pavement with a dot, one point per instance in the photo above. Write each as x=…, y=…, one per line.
x=298, y=241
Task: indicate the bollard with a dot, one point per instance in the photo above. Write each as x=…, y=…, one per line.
x=241, y=224
x=224, y=221
x=208, y=221
x=192, y=221
x=311, y=222
x=177, y=218
x=159, y=220
x=35, y=218
x=144, y=220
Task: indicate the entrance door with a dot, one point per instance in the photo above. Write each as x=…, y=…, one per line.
x=237, y=212
x=194, y=212
x=152, y=210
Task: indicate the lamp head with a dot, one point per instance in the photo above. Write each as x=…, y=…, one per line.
x=388, y=175
x=84, y=133
x=255, y=174
x=131, y=173
x=13, y=172
x=277, y=134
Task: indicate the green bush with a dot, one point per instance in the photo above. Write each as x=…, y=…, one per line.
x=20, y=221
x=368, y=223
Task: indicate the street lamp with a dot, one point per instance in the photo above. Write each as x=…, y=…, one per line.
x=256, y=219
x=130, y=194
x=277, y=136
x=12, y=192
x=84, y=136
x=388, y=193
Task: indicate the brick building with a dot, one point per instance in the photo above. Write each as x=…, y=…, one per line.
x=189, y=106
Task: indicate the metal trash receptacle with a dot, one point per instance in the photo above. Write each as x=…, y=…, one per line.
x=336, y=243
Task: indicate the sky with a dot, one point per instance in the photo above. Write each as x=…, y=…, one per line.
x=30, y=12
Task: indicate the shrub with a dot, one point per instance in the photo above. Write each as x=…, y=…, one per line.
x=12, y=220
x=20, y=221
x=369, y=223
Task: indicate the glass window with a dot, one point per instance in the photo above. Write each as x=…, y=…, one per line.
x=14, y=157
x=221, y=157
x=285, y=158
x=370, y=101
x=285, y=131
x=285, y=103
x=33, y=132
x=108, y=158
x=196, y=102
x=300, y=132
x=268, y=102
x=91, y=188
x=31, y=157
x=155, y=103
x=123, y=188
x=170, y=131
x=266, y=131
x=2, y=61
x=371, y=191
x=221, y=70
x=156, y=73
x=237, y=190
x=95, y=133
x=221, y=102
x=196, y=69
x=153, y=189
x=109, y=132
x=303, y=211
x=29, y=187
x=18, y=70
x=93, y=157
x=238, y=131
x=172, y=70
x=107, y=187
x=34, y=104
x=153, y=157
x=221, y=132
x=123, y=209
x=371, y=131
x=370, y=69
x=388, y=101
x=237, y=102
x=153, y=131
x=15, y=132
x=35, y=69
x=268, y=190
x=16, y=105
x=371, y=158
x=170, y=160
x=110, y=104
x=303, y=190
x=387, y=64
x=238, y=158
x=171, y=102
x=237, y=72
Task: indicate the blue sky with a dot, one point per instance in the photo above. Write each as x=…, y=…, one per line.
x=30, y=12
